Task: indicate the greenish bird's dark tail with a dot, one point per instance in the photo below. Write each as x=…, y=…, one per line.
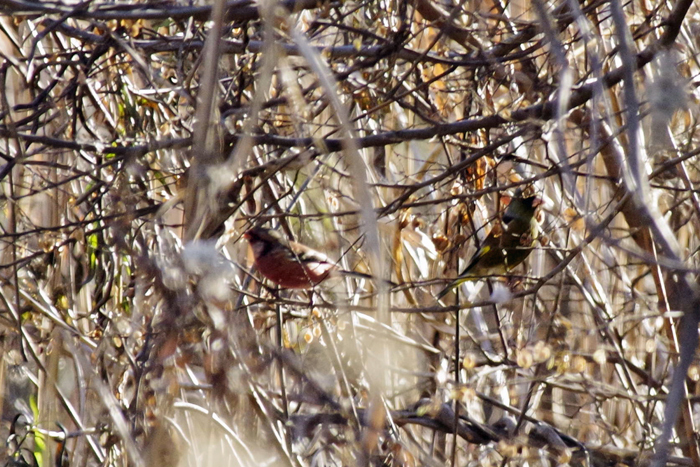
x=453, y=285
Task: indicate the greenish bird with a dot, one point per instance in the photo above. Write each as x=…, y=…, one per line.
x=505, y=247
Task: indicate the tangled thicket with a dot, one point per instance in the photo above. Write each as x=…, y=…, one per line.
x=136, y=149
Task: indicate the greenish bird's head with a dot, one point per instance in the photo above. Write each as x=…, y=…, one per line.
x=521, y=208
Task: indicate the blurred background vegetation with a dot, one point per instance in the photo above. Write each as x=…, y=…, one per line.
x=139, y=140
